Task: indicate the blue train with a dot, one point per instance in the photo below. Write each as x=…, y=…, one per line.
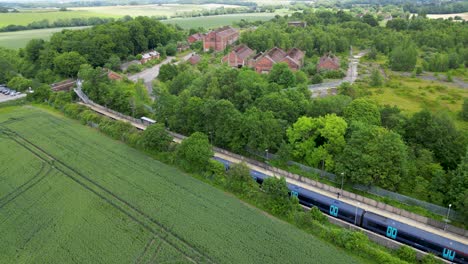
x=440, y=246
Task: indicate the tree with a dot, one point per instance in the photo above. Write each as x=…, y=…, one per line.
x=370, y=20
x=362, y=110
x=113, y=63
x=328, y=105
x=392, y=119
x=438, y=134
x=33, y=49
x=458, y=187
x=318, y=140
x=403, y=57
x=194, y=153
x=239, y=179
x=282, y=75
x=171, y=49
x=376, y=78
x=20, y=83
x=156, y=138
x=68, y=64
x=40, y=94
x=373, y=156
x=167, y=72
x=278, y=202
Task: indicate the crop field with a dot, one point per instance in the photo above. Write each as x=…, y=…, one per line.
x=217, y=21
x=69, y=193
x=19, y=39
x=26, y=16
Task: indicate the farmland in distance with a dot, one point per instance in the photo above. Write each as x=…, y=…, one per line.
x=78, y=195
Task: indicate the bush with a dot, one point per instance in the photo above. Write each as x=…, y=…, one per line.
x=317, y=215
x=156, y=138
x=73, y=110
x=406, y=253
x=430, y=259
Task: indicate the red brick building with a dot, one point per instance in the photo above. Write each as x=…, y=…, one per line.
x=263, y=62
x=328, y=62
x=239, y=56
x=194, y=38
x=220, y=38
x=194, y=59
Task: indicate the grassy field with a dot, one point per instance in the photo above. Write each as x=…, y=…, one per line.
x=27, y=16
x=69, y=193
x=217, y=21
x=413, y=94
x=464, y=16
x=19, y=39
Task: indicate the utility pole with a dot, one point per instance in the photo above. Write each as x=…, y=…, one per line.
x=342, y=181
x=447, y=219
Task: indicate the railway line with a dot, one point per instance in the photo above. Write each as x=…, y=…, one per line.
x=264, y=169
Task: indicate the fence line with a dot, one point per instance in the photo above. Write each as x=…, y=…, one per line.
x=436, y=209
x=286, y=174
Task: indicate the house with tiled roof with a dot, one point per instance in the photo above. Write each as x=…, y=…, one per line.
x=194, y=59
x=263, y=62
x=194, y=38
x=328, y=62
x=220, y=38
x=239, y=56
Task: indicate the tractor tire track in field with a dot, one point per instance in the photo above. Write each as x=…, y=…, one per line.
x=25, y=186
x=148, y=245
x=201, y=257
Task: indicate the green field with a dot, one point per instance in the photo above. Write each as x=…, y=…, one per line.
x=71, y=194
x=19, y=39
x=26, y=16
x=217, y=21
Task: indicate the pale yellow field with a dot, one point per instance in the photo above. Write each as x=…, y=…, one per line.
x=464, y=16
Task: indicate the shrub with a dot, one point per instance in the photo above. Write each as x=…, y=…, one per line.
x=317, y=215
x=406, y=253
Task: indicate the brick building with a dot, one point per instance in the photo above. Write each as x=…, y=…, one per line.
x=328, y=62
x=263, y=62
x=239, y=56
x=220, y=38
x=194, y=38
x=297, y=23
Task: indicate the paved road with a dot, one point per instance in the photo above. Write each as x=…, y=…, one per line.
x=321, y=89
x=5, y=98
x=152, y=73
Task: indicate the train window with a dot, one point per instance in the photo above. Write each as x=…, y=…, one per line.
x=392, y=232
x=448, y=254
x=334, y=210
x=376, y=226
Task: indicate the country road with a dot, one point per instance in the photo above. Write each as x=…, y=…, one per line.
x=152, y=73
x=351, y=76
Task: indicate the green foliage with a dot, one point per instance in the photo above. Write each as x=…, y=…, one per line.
x=317, y=215
x=373, y=155
x=40, y=94
x=376, y=79
x=464, y=111
x=430, y=259
x=194, y=152
x=406, y=253
x=239, y=179
x=282, y=75
x=171, y=49
x=68, y=64
x=317, y=78
x=328, y=105
x=167, y=72
x=362, y=110
x=278, y=202
x=156, y=138
x=318, y=140
x=20, y=83
x=438, y=134
x=403, y=57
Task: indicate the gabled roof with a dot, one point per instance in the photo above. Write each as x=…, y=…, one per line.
x=296, y=54
x=276, y=54
x=242, y=51
x=225, y=31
